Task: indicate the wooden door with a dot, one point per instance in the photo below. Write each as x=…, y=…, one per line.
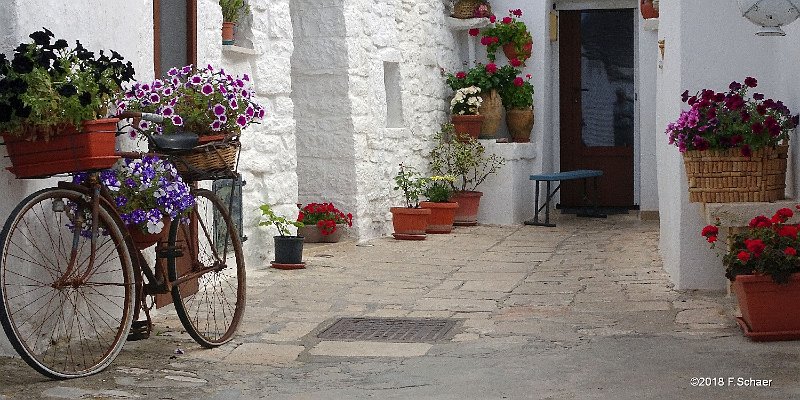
x=596, y=57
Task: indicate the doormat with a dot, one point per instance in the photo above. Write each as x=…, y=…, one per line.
x=397, y=330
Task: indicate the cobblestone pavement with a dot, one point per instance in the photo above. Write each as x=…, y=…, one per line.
x=580, y=311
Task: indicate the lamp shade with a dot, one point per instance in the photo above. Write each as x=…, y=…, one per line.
x=770, y=14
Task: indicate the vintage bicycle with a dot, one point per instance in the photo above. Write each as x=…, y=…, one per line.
x=73, y=284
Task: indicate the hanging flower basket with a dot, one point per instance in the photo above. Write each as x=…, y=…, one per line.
x=726, y=176
x=67, y=151
x=464, y=9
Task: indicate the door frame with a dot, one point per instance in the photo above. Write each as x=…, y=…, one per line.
x=568, y=5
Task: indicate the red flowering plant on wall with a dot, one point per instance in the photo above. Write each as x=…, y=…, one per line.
x=325, y=216
x=723, y=120
x=508, y=30
x=769, y=246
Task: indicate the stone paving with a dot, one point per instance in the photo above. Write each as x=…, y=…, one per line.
x=580, y=311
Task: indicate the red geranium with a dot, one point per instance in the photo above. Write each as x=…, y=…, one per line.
x=325, y=216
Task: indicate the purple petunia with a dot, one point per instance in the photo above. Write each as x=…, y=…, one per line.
x=155, y=98
x=216, y=125
x=219, y=109
x=196, y=80
x=234, y=104
x=177, y=120
x=167, y=111
x=241, y=120
x=250, y=112
x=172, y=71
x=207, y=89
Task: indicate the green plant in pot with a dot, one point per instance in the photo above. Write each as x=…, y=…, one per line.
x=59, y=96
x=762, y=261
x=489, y=79
x=466, y=160
x=438, y=190
x=288, y=248
x=518, y=100
x=232, y=11
x=411, y=221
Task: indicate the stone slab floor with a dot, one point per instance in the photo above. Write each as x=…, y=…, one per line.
x=580, y=311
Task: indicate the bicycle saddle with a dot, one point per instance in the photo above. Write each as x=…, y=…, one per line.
x=175, y=141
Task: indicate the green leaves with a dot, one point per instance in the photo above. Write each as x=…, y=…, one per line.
x=464, y=158
x=268, y=217
x=232, y=10
x=411, y=183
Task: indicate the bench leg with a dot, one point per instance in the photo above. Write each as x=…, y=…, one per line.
x=546, y=206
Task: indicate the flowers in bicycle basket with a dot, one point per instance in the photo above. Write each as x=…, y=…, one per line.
x=206, y=101
x=146, y=191
x=325, y=216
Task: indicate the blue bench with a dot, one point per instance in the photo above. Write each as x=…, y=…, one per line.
x=559, y=177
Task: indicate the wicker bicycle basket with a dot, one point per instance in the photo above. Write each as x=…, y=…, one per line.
x=212, y=160
x=725, y=176
x=464, y=9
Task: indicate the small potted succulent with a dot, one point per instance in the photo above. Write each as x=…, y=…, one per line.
x=763, y=263
x=411, y=221
x=323, y=223
x=518, y=100
x=288, y=248
x=149, y=194
x=466, y=160
x=54, y=100
x=438, y=191
x=509, y=33
x=232, y=11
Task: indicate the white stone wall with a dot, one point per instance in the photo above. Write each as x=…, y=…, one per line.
x=413, y=34
x=728, y=51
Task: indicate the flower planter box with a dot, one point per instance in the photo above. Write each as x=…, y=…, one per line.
x=68, y=151
x=313, y=234
x=770, y=311
x=725, y=176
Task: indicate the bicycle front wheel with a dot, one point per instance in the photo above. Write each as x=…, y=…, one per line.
x=66, y=315
x=209, y=278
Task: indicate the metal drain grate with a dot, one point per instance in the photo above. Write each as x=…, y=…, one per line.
x=400, y=330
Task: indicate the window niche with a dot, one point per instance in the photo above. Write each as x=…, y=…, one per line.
x=394, y=96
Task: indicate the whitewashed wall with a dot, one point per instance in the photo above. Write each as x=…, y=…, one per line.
x=708, y=45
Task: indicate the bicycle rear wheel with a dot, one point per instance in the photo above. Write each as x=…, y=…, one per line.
x=209, y=278
x=64, y=322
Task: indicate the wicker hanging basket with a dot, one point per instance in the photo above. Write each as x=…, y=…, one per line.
x=464, y=9
x=213, y=160
x=725, y=176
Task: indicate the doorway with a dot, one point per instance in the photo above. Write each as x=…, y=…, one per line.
x=597, y=103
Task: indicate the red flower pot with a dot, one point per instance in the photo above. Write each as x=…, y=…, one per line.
x=409, y=223
x=468, y=204
x=647, y=9
x=227, y=32
x=510, y=51
x=442, y=216
x=769, y=310
x=66, y=151
x=467, y=124
x=143, y=240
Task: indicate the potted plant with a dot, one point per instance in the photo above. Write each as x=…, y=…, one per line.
x=466, y=160
x=464, y=111
x=518, y=101
x=728, y=139
x=288, y=248
x=411, y=221
x=464, y=9
x=232, y=11
x=209, y=102
x=489, y=79
x=762, y=261
x=53, y=102
x=438, y=191
x=323, y=223
x=149, y=194
x=648, y=8
x=511, y=34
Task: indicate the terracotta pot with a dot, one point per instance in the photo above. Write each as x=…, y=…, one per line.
x=520, y=123
x=66, y=151
x=468, y=204
x=769, y=309
x=143, y=240
x=409, y=223
x=492, y=111
x=510, y=51
x=469, y=125
x=313, y=234
x=648, y=9
x=442, y=216
x=227, y=33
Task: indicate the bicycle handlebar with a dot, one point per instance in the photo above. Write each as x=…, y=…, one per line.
x=144, y=116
